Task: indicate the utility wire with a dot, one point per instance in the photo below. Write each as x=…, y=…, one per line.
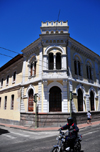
x=9, y=50
x=6, y=55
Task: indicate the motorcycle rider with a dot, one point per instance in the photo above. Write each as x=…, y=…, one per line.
x=73, y=130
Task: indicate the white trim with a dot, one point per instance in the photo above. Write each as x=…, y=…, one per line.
x=82, y=88
x=32, y=55
x=92, y=89
x=84, y=93
x=88, y=60
x=27, y=91
x=53, y=47
x=30, y=87
x=79, y=56
x=55, y=84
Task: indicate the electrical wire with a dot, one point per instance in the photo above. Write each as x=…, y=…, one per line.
x=9, y=50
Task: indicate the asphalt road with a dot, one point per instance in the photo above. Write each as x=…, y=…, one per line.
x=15, y=140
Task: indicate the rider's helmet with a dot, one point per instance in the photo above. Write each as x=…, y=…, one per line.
x=70, y=120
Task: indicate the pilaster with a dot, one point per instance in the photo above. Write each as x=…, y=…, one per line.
x=87, y=103
x=24, y=68
x=64, y=96
x=45, y=97
x=39, y=96
x=40, y=59
x=69, y=58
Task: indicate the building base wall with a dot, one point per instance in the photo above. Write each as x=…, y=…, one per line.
x=51, y=119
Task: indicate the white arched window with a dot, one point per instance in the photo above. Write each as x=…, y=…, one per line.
x=89, y=70
x=78, y=64
x=32, y=66
x=54, y=61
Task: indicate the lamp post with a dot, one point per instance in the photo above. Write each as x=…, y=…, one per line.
x=71, y=97
x=36, y=109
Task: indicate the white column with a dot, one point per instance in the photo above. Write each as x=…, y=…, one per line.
x=45, y=97
x=24, y=68
x=64, y=96
x=69, y=58
x=97, y=72
x=45, y=62
x=71, y=90
x=33, y=70
x=63, y=62
x=39, y=96
x=40, y=60
x=87, y=103
x=54, y=62
x=98, y=99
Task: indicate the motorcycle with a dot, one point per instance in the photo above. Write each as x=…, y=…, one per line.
x=62, y=143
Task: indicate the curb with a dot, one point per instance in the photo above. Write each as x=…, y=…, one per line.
x=80, y=126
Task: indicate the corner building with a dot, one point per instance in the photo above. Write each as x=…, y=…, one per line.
x=52, y=66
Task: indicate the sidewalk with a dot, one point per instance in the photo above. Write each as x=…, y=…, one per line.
x=47, y=128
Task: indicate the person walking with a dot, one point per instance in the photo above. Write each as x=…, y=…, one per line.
x=88, y=117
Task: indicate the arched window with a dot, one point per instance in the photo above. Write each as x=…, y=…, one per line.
x=92, y=100
x=2, y=82
x=30, y=100
x=77, y=67
x=51, y=61
x=7, y=81
x=80, y=100
x=14, y=77
x=32, y=67
x=55, y=99
x=12, y=102
x=89, y=71
x=58, y=60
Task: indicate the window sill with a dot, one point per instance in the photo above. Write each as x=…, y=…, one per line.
x=55, y=70
x=13, y=82
x=90, y=81
x=78, y=77
x=30, y=77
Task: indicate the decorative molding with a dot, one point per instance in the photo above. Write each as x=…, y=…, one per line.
x=80, y=86
x=54, y=47
x=30, y=87
x=79, y=56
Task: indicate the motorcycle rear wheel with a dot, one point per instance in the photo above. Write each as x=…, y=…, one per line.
x=55, y=149
x=78, y=147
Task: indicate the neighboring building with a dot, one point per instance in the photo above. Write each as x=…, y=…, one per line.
x=52, y=66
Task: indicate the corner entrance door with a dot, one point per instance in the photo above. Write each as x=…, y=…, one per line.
x=80, y=100
x=55, y=99
x=30, y=100
x=92, y=100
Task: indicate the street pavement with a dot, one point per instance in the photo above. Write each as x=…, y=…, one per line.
x=24, y=139
x=46, y=128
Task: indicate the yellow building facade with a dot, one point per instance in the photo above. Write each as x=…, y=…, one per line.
x=52, y=67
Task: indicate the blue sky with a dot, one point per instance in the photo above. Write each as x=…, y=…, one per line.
x=20, y=22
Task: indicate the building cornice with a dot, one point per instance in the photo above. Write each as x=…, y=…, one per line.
x=31, y=46
x=83, y=49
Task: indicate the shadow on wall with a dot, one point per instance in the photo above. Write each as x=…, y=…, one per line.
x=74, y=118
x=3, y=131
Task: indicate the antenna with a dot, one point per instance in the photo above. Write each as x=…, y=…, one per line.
x=58, y=15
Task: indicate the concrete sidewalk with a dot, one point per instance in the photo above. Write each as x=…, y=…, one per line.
x=47, y=128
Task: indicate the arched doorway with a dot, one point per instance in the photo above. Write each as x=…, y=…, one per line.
x=30, y=100
x=92, y=100
x=55, y=99
x=80, y=100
